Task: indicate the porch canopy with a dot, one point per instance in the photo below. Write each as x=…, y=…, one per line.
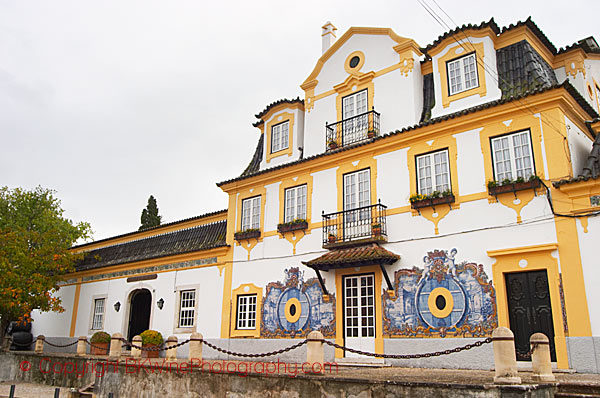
x=355, y=256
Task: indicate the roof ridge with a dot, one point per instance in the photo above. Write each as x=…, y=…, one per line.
x=275, y=103
x=491, y=24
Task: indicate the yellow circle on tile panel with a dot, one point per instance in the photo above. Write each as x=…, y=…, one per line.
x=297, y=311
x=432, y=302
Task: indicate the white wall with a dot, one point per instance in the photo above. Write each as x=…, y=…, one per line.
x=580, y=146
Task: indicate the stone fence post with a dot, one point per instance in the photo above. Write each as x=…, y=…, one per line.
x=540, y=357
x=505, y=359
x=81, y=347
x=39, y=344
x=6, y=343
x=315, y=352
x=115, y=345
x=196, y=347
x=136, y=352
x=171, y=353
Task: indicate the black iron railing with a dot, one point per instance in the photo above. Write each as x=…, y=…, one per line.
x=352, y=130
x=350, y=226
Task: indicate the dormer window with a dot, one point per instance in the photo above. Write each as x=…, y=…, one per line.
x=462, y=74
x=280, y=136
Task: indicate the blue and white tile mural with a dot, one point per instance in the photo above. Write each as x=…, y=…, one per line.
x=444, y=298
x=295, y=307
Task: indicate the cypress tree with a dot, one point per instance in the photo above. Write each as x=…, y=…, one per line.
x=150, y=217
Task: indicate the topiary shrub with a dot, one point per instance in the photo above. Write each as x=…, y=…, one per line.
x=151, y=337
x=100, y=337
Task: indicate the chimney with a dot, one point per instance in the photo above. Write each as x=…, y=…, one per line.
x=328, y=35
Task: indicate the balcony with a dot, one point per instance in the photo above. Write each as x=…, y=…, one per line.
x=357, y=226
x=349, y=131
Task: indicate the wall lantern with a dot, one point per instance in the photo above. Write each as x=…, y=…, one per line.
x=117, y=306
x=160, y=303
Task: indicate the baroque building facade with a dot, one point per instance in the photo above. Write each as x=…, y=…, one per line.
x=414, y=200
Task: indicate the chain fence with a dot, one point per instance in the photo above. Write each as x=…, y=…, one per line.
x=164, y=347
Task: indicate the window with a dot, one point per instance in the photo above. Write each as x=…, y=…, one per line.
x=462, y=74
x=251, y=213
x=355, y=124
x=246, y=312
x=433, y=173
x=512, y=157
x=187, y=307
x=98, y=319
x=295, y=203
x=280, y=136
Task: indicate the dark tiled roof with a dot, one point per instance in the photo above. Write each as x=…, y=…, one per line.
x=489, y=24
x=566, y=85
x=591, y=170
x=254, y=165
x=428, y=97
x=521, y=69
x=202, y=237
x=353, y=257
x=271, y=105
x=213, y=213
x=589, y=45
x=536, y=31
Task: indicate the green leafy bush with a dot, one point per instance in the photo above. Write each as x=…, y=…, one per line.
x=100, y=337
x=151, y=337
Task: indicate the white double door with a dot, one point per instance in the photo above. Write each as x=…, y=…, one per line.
x=357, y=196
x=359, y=313
x=355, y=126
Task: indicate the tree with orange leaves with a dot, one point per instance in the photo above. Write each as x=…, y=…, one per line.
x=35, y=240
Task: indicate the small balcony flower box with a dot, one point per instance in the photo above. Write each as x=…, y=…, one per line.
x=421, y=201
x=495, y=189
x=332, y=144
x=247, y=234
x=295, y=225
x=376, y=229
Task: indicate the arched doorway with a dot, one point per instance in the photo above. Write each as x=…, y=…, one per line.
x=140, y=303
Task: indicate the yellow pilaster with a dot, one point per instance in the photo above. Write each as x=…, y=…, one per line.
x=75, y=308
x=227, y=280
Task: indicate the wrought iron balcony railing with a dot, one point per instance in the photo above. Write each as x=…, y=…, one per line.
x=363, y=224
x=352, y=130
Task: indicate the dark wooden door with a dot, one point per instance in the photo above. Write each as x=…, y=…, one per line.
x=529, y=309
x=139, y=312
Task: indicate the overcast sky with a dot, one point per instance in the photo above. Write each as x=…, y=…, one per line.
x=108, y=101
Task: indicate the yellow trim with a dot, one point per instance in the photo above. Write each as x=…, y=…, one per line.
x=278, y=108
x=305, y=179
x=426, y=68
x=421, y=148
x=227, y=280
x=435, y=311
x=502, y=127
x=572, y=61
x=158, y=231
x=249, y=244
x=311, y=79
x=453, y=54
x=288, y=315
x=353, y=84
x=75, y=308
x=244, y=290
x=339, y=306
x=356, y=69
x=362, y=164
x=538, y=258
x=524, y=33
x=280, y=118
x=460, y=36
x=557, y=99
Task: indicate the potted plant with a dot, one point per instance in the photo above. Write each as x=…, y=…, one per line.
x=331, y=238
x=418, y=201
x=376, y=229
x=99, y=343
x=332, y=144
x=247, y=234
x=150, y=339
x=294, y=225
x=371, y=133
x=508, y=185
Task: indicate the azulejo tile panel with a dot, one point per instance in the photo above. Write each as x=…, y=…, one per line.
x=442, y=299
x=296, y=307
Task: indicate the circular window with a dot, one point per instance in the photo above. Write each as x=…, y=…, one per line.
x=354, y=61
x=440, y=302
x=293, y=309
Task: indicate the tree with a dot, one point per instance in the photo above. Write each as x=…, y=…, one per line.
x=35, y=242
x=150, y=217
